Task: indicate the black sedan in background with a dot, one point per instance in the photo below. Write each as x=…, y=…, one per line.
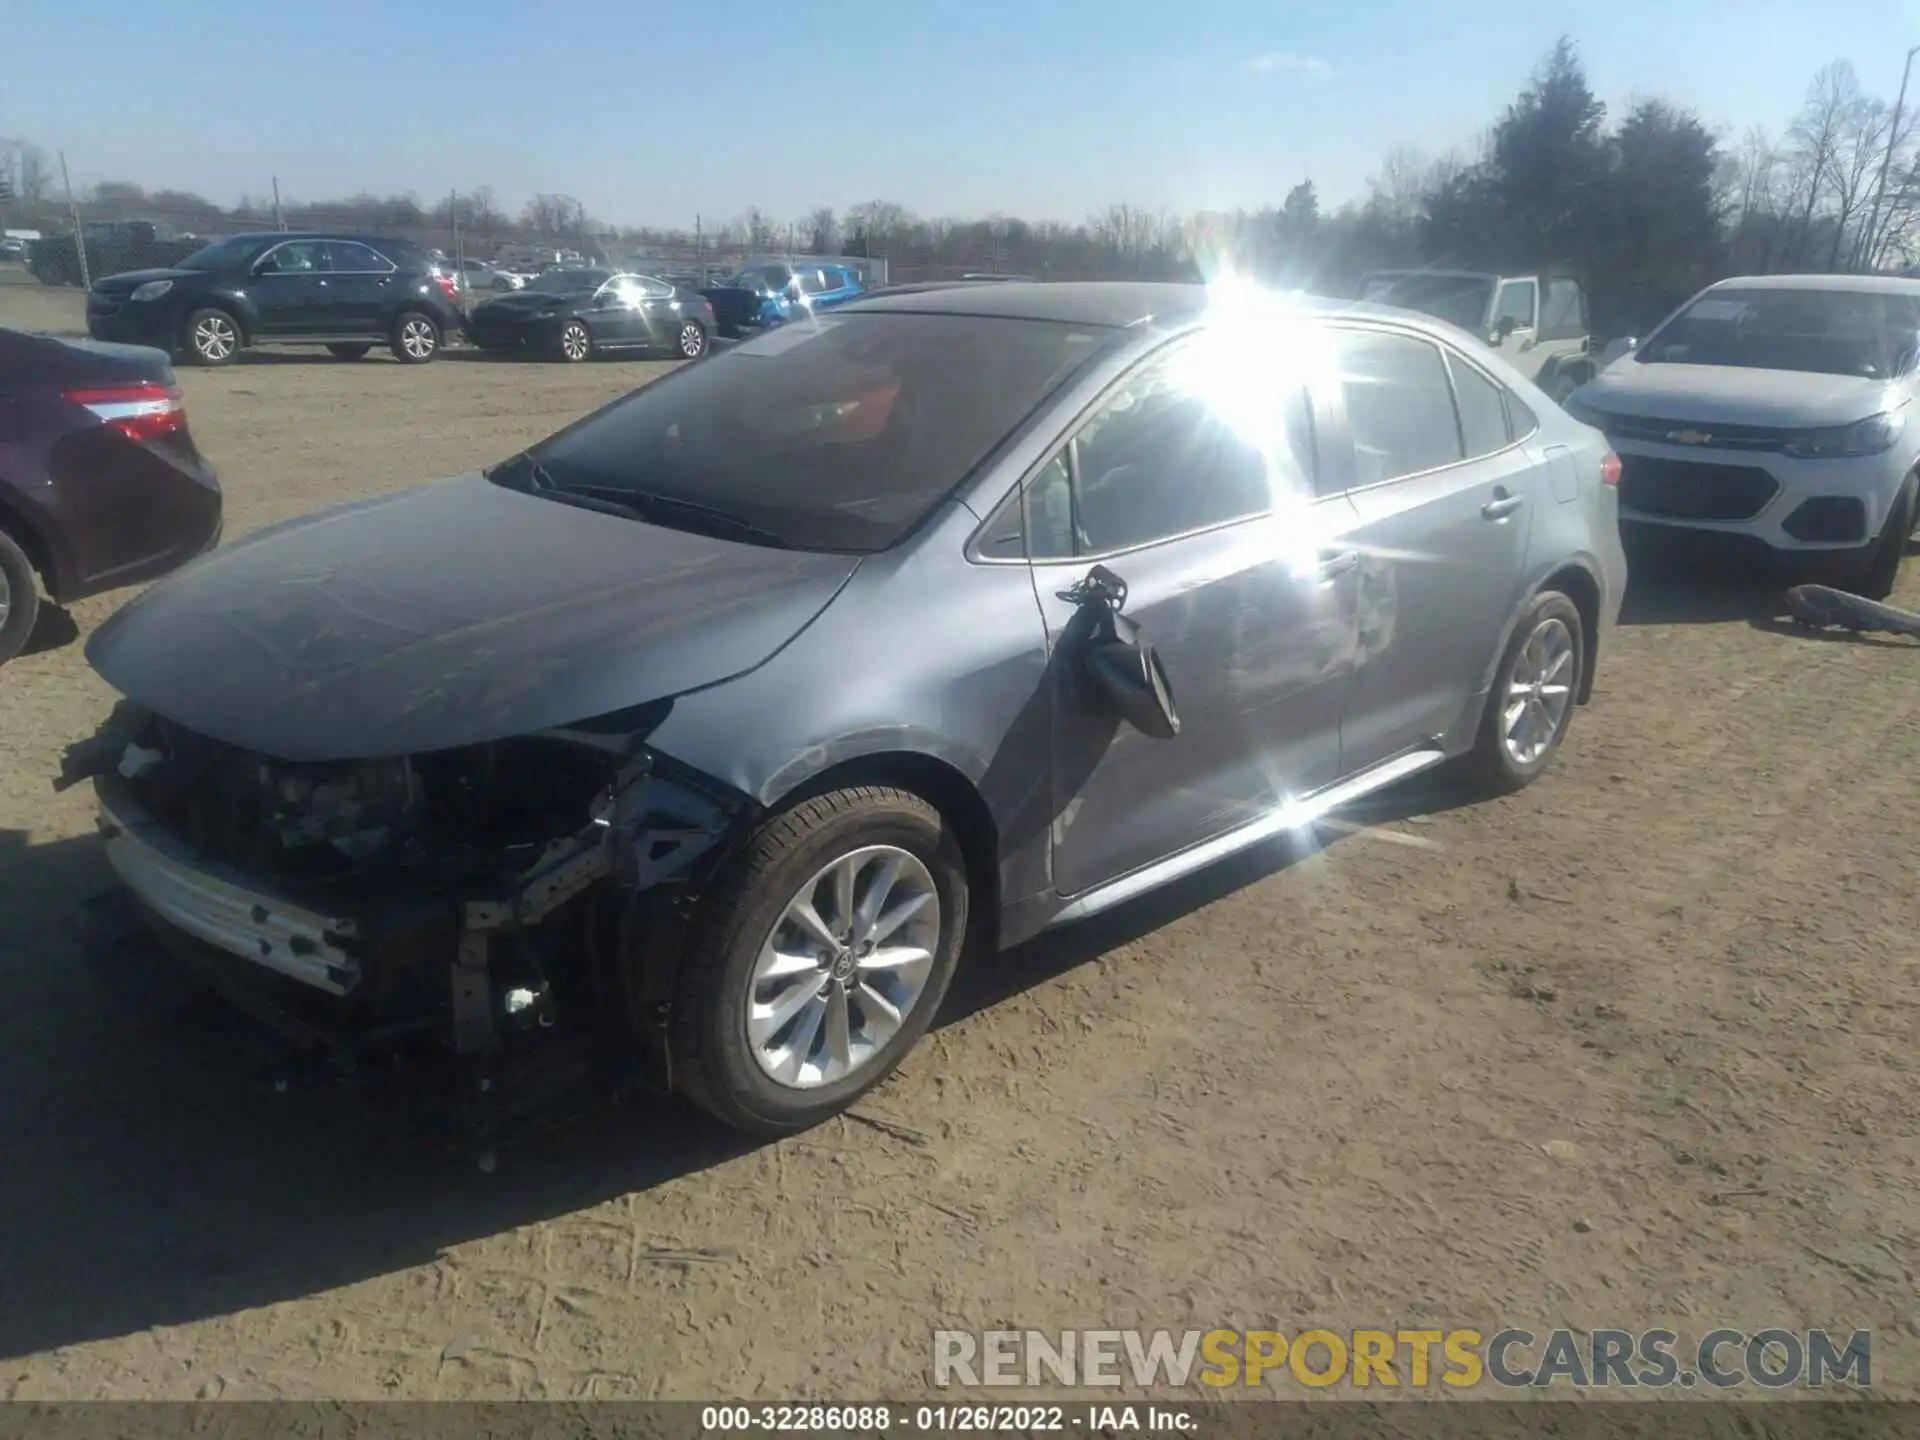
x=575, y=314
x=101, y=484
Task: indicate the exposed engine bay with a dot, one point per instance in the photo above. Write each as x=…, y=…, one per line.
x=476, y=897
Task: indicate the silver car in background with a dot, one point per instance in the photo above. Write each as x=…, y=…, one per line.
x=950, y=616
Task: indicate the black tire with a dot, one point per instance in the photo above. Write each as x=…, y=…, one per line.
x=349, y=352
x=573, y=342
x=416, y=337
x=211, y=338
x=1876, y=573
x=1490, y=766
x=713, y=1063
x=690, y=343
x=21, y=597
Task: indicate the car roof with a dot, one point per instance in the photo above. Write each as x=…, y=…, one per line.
x=1114, y=303
x=262, y=237
x=1117, y=304
x=1862, y=284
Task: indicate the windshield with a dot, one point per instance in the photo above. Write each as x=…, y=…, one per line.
x=1458, y=299
x=568, y=282
x=838, y=434
x=1818, y=332
x=221, y=255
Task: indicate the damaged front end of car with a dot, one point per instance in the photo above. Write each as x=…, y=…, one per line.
x=484, y=902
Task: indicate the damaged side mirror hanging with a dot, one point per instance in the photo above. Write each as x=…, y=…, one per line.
x=1122, y=667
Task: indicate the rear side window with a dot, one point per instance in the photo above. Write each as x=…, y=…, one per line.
x=350, y=258
x=1483, y=409
x=1400, y=411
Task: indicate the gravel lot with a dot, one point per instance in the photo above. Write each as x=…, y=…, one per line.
x=1633, y=1048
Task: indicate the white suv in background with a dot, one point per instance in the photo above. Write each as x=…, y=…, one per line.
x=1778, y=408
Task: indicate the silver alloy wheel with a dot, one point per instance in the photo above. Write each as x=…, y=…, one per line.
x=1538, y=689
x=6, y=599
x=417, y=337
x=214, y=338
x=843, y=967
x=574, y=341
x=692, y=340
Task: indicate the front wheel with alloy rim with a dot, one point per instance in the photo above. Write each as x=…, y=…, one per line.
x=1534, y=691
x=819, y=959
x=19, y=599
x=213, y=337
x=416, y=338
x=692, y=343
x=574, y=342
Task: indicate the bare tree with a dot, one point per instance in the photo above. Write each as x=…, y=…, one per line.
x=759, y=227
x=1817, y=138
x=1400, y=188
x=554, y=216
x=822, y=230
x=25, y=163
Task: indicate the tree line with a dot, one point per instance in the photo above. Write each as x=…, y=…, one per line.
x=1647, y=209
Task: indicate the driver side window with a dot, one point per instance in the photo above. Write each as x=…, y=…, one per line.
x=1153, y=462
x=1516, y=304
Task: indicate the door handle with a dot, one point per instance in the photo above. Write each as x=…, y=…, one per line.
x=1338, y=564
x=1501, y=506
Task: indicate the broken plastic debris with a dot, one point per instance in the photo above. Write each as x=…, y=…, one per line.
x=518, y=1000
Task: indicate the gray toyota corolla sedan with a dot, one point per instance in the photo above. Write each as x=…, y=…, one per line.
x=706, y=734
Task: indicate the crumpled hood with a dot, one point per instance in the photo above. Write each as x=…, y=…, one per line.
x=1733, y=395
x=447, y=615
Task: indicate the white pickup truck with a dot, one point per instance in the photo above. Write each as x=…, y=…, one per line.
x=1538, y=322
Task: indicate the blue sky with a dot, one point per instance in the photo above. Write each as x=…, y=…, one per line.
x=652, y=114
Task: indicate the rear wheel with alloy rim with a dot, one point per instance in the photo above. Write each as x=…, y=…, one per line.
x=575, y=342
x=820, y=959
x=693, y=340
x=213, y=337
x=416, y=338
x=1534, y=691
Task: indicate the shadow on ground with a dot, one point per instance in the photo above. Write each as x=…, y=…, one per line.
x=148, y=1178
x=54, y=628
x=1673, y=584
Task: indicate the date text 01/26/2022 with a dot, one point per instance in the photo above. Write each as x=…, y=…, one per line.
x=940, y=1419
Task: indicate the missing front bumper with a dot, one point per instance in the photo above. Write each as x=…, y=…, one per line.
x=219, y=906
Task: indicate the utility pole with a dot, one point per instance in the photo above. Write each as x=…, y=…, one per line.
x=79, y=230
x=1886, y=161
x=279, y=219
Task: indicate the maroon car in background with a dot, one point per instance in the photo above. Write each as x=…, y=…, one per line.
x=101, y=485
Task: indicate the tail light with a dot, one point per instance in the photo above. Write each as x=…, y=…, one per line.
x=447, y=285
x=145, y=411
x=1610, y=469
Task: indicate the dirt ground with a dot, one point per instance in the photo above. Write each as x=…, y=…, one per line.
x=1633, y=1048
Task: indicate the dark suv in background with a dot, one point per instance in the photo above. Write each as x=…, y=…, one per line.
x=345, y=292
